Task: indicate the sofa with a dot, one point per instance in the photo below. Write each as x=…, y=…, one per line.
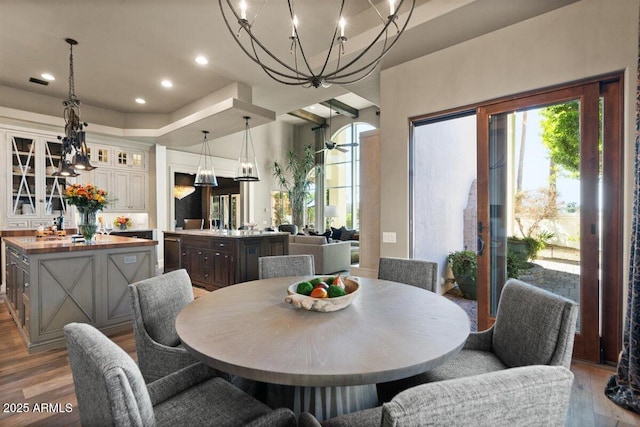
x=328, y=257
x=351, y=236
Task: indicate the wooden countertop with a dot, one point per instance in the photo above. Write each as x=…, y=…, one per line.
x=33, y=245
x=233, y=234
x=27, y=232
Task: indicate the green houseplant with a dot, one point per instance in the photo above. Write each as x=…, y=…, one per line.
x=464, y=265
x=296, y=178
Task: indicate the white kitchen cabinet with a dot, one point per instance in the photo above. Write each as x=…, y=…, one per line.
x=127, y=189
x=100, y=155
x=134, y=159
x=130, y=189
x=34, y=196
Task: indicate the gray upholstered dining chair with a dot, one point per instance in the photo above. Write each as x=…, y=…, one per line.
x=285, y=265
x=111, y=390
x=416, y=272
x=155, y=304
x=193, y=223
x=524, y=396
x=533, y=327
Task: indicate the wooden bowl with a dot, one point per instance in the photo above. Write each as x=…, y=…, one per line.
x=324, y=305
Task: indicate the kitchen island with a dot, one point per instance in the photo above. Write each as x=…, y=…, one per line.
x=54, y=282
x=215, y=259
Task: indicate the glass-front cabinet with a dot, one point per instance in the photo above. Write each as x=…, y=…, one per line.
x=35, y=194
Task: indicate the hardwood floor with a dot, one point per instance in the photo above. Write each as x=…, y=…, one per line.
x=45, y=377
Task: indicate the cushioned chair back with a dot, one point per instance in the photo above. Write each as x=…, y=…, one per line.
x=533, y=326
x=285, y=265
x=193, y=223
x=532, y=395
x=109, y=386
x=156, y=302
x=288, y=228
x=416, y=272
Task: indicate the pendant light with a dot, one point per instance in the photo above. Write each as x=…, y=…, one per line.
x=73, y=142
x=206, y=177
x=247, y=166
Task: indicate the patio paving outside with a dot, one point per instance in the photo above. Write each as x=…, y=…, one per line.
x=557, y=270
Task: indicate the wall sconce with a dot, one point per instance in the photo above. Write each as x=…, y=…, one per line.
x=206, y=177
x=247, y=167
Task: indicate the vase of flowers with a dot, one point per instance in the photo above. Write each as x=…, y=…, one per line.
x=88, y=199
x=122, y=222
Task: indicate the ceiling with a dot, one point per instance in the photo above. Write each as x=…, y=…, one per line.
x=126, y=47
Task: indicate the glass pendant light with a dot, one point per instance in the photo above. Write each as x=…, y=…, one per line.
x=247, y=167
x=206, y=177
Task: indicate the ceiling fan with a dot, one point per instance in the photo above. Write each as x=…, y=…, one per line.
x=331, y=145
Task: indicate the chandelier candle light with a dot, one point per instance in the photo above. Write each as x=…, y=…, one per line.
x=297, y=69
x=74, y=155
x=206, y=177
x=247, y=167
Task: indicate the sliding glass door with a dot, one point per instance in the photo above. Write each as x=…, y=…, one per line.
x=533, y=185
x=541, y=214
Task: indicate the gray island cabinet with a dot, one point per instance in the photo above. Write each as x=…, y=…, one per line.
x=54, y=282
x=216, y=259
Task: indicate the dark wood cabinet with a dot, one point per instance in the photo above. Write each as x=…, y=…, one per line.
x=140, y=234
x=214, y=261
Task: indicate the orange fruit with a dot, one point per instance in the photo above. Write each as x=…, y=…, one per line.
x=319, y=293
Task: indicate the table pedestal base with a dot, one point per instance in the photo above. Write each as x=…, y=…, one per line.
x=323, y=402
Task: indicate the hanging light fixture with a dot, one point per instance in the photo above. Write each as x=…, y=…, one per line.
x=182, y=191
x=297, y=70
x=247, y=167
x=74, y=154
x=206, y=177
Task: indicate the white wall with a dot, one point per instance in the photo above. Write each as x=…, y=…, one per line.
x=584, y=39
x=444, y=169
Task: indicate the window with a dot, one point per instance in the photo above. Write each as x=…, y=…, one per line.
x=342, y=177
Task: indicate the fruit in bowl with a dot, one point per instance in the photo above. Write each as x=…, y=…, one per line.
x=323, y=294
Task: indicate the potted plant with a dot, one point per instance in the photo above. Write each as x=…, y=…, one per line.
x=296, y=178
x=464, y=265
x=529, y=246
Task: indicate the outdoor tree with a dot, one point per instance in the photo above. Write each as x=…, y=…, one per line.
x=533, y=207
x=561, y=135
x=296, y=179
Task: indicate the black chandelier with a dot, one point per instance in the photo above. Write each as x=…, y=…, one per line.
x=297, y=70
x=74, y=156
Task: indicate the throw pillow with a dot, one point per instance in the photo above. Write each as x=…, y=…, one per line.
x=347, y=235
x=335, y=233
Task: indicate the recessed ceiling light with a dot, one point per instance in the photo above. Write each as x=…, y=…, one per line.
x=202, y=60
x=141, y=101
x=166, y=83
x=47, y=76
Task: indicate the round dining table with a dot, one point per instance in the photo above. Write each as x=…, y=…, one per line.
x=326, y=363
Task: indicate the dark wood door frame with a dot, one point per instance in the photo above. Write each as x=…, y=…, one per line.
x=611, y=264
x=588, y=344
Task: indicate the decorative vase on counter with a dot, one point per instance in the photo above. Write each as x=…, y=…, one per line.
x=87, y=224
x=123, y=226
